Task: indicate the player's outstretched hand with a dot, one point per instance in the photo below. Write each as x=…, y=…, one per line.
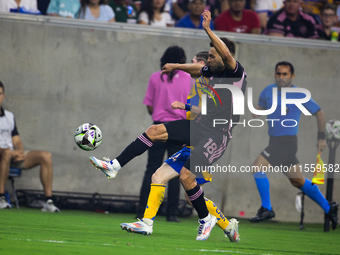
x=168, y=68
x=206, y=19
x=178, y=105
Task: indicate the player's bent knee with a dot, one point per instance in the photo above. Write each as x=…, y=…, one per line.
x=6, y=154
x=157, y=178
x=46, y=157
x=157, y=133
x=297, y=182
x=187, y=179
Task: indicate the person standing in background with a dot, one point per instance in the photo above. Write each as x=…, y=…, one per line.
x=161, y=92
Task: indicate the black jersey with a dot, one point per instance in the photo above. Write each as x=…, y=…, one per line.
x=221, y=107
x=303, y=27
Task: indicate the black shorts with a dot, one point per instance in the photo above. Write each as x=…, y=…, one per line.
x=281, y=151
x=208, y=146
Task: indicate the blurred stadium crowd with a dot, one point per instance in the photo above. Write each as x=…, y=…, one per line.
x=315, y=19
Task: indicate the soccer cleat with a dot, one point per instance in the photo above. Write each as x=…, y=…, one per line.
x=138, y=227
x=263, y=214
x=4, y=204
x=231, y=231
x=333, y=214
x=205, y=228
x=105, y=166
x=48, y=206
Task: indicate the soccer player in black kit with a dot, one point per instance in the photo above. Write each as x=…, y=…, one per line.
x=210, y=142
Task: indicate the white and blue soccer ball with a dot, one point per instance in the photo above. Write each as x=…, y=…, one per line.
x=88, y=136
x=333, y=129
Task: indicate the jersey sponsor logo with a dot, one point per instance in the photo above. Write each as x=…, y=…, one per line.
x=211, y=94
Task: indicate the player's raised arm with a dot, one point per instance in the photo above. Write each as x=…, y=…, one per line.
x=192, y=69
x=220, y=47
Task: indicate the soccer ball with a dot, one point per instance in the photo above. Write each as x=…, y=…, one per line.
x=88, y=137
x=333, y=129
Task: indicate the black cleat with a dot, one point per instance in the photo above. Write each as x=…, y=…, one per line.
x=263, y=214
x=333, y=214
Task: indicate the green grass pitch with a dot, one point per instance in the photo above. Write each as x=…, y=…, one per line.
x=30, y=231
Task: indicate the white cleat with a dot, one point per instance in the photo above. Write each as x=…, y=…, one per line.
x=105, y=166
x=205, y=228
x=4, y=204
x=231, y=231
x=48, y=206
x=138, y=227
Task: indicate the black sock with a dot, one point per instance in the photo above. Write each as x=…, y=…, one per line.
x=134, y=149
x=47, y=198
x=2, y=194
x=196, y=196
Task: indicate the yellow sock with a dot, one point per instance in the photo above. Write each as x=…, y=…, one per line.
x=222, y=221
x=155, y=199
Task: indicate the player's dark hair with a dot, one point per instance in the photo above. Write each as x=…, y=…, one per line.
x=202, y=56
x=285, y=63
x=148, y=8
x=2, y=86
x=229, y=43
x=84, y=3
x=329, y=7
x=173, y=54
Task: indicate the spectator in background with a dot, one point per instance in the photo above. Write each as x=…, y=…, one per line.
x=329, y=20
x=179, y=9
x=12, y=154
x=7, y=5
x=338, y=14
x=125, y=10
x=290, y=21
x=161, y=92
x=96, y=10
x=313, y=8
x=64, y=8
x=237, y=19
x=194, y=18
x=152, y=13
x=43, y=5
x=265, y=8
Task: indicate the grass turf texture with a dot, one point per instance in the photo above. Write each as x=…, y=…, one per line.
x=30, y=231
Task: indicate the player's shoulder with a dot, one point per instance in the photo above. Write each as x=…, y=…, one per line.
x=239, y=69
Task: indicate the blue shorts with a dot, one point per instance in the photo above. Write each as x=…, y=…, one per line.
x=177, y=161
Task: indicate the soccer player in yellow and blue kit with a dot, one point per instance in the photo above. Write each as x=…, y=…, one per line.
x=282, y=147
x=173, y=165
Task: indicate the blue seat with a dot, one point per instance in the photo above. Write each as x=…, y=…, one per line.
x=14, y=172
